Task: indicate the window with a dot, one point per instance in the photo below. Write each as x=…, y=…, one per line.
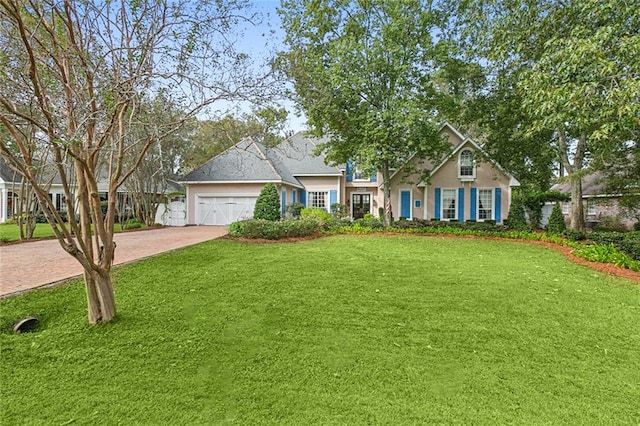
x=591, y=207
x=359, y=174
x=448, y=204
x=318, y=199
x=485, y=204
x=467, y=164
x=565, y=207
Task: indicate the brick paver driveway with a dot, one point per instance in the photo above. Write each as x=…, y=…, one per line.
x=39, y=263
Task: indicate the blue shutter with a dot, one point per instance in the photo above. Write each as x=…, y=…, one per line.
x=460, y=204
x=303, y=197
x=498, y=205
x=405, y=204
x=349, y=174
x=283, y=201
x=374, y=178
x=436, y=213
x=333, y=197
x=293, y=195
x=474, y=203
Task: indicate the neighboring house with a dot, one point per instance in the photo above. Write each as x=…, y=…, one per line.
x=464, y=185
x=597, y=203
x=10, y=192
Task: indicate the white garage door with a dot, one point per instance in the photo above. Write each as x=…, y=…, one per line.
x=224, y=210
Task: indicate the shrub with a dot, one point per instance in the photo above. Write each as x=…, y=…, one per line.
x=133, y=224
x=574, y=235
x=556, y=223
x=609, y=223
x=636, y=226
x=275, y=230
x=316, y=212
x=338, y=210
x=293, y=210
x=517, y=218
x=268, y=204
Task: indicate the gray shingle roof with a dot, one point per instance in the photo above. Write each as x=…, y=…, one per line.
x=251, y=161
x=592, y=184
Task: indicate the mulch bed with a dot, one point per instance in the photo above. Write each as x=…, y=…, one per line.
x=606, y=268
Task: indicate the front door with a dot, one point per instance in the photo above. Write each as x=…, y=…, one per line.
x=361, y=204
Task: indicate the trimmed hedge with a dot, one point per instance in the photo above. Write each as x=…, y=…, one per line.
x=275, y=230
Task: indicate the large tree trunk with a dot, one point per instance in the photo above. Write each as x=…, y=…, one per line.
x=577, y=208
x=575, y=175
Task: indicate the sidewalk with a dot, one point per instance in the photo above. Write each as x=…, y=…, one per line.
x=36, y=264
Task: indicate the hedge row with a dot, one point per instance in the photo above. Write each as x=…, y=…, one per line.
x=270, y=230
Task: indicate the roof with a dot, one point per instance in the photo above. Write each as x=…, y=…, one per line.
x=592, y=184
x=251, y=161
x=7, y=174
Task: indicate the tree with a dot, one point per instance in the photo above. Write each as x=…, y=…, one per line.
x=363, y=72
x=268, y=204
x=78, y=72
x=575, y=67
x=266, y=125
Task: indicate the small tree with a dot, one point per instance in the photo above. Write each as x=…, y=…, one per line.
x=517, y=218
x=556, y=223
x=268, y=204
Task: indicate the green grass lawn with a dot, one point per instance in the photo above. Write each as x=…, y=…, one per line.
x=10, y=232
x=339, y=330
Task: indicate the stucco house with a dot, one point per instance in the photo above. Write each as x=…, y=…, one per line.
x=465, y=185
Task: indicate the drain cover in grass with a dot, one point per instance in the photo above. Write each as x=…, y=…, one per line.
x=25, y=325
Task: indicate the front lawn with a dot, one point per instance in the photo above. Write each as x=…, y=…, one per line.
x=340, y=330
x=10, y=232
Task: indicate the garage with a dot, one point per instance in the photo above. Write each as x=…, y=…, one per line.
x=223, y=210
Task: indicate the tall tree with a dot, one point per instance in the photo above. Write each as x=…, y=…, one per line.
x=77, y=71
x=363, y=73
x=575, y=66
x=211, y=137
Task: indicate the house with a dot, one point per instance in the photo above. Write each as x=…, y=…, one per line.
x=598, y=204
x=11, y=188
x=465, y=185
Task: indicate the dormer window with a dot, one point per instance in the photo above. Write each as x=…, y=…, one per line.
x=467, y=165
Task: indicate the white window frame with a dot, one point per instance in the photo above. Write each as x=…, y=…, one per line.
x=311, y=200
x=472, y=176
x=491, y=204
x=455, y=202
x=358, y=175
x=591, y=207
x=566, y=207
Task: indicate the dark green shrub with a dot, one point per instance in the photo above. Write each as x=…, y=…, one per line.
x=636, y=226
x=381, y=212
x=275, y=230
x=517, y=218
x=293, y=210
x=133, y=224
x=338, y=210
x=631, y=246
x=556, y=223
x=268, y=204
x=573, y=235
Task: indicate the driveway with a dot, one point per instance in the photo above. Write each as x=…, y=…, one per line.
x=35, y=264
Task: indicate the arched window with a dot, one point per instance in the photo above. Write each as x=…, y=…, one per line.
x=467, y=165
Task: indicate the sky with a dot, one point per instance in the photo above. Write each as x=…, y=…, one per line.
x=264, y=38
